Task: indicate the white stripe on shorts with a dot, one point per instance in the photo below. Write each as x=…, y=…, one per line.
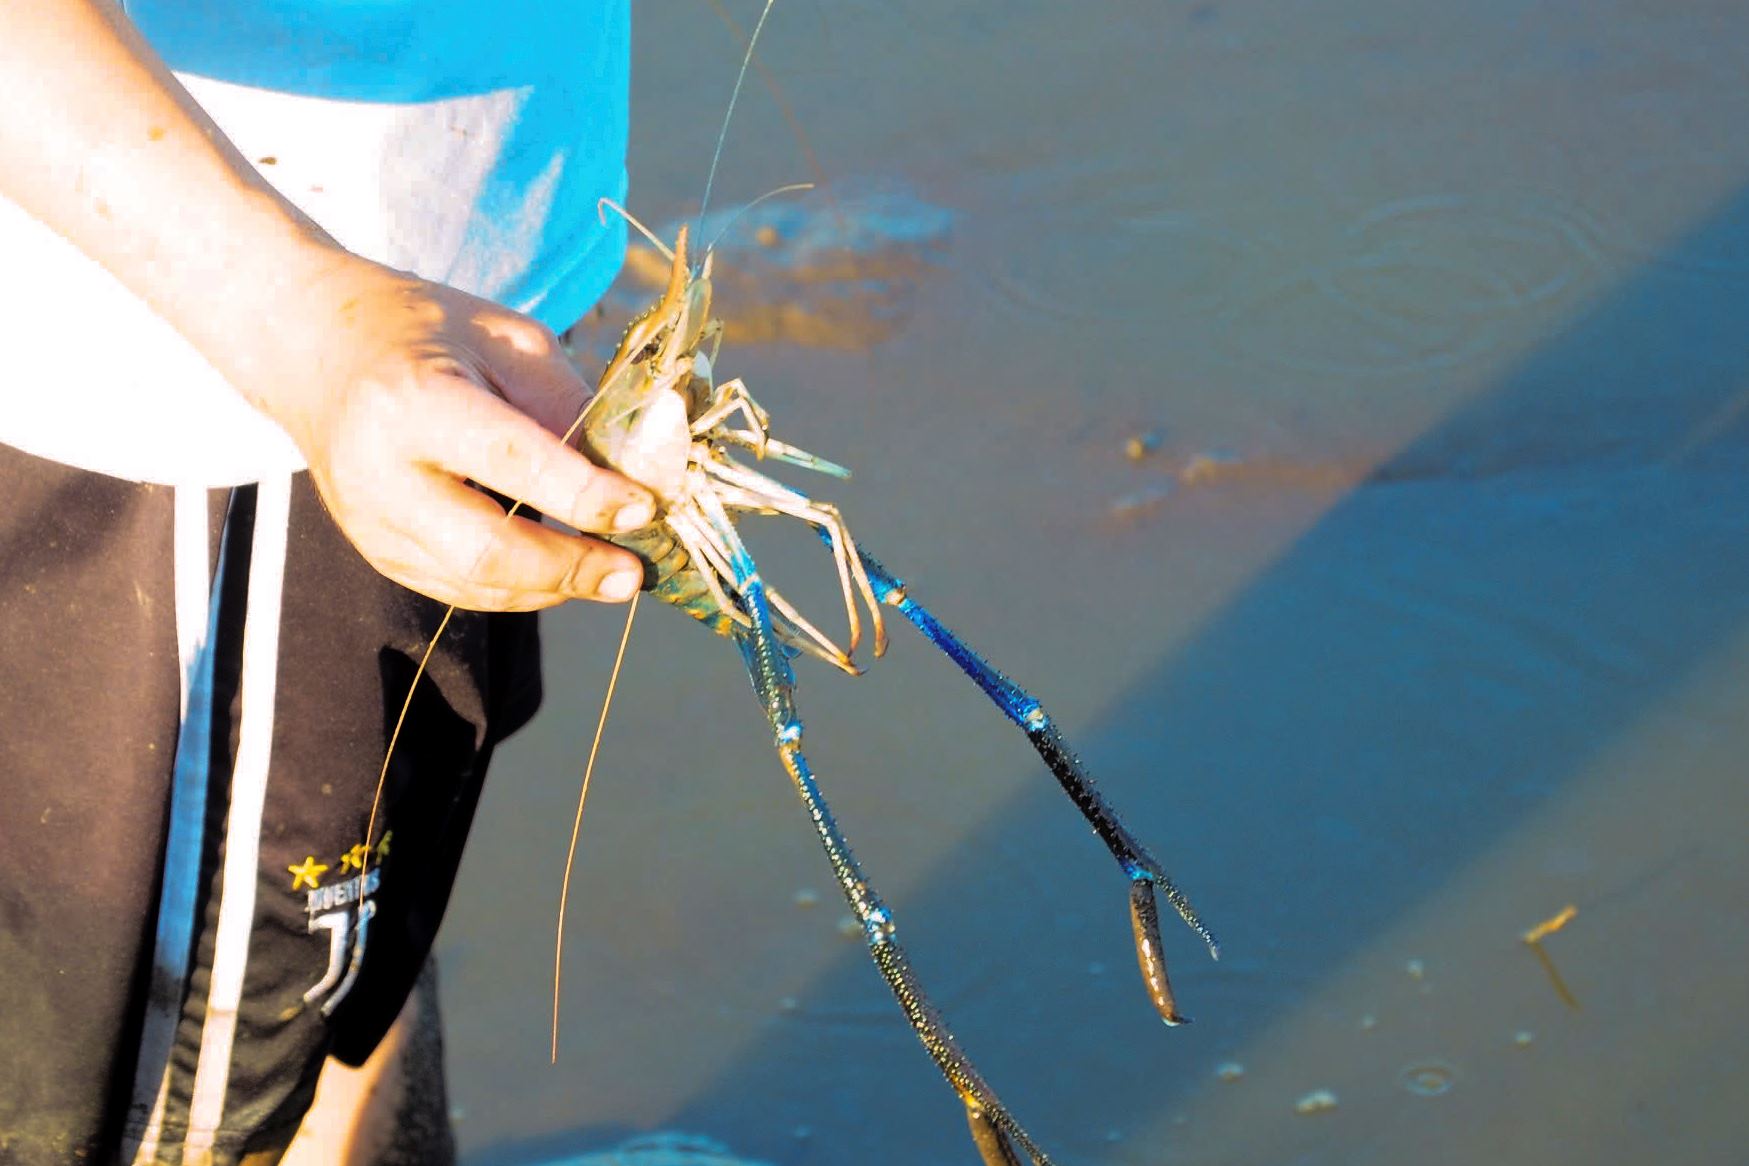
x=243, y=823
x=197, y=616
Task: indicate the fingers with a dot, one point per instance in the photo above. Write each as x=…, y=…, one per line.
x=464, y=391
x=459, y=547
x=471, y=433
x=529, y=368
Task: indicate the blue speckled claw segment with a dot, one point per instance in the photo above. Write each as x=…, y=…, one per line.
x=1144, y=870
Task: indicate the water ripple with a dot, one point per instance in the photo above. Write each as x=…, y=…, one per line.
x=1102, y=240
x=1420, y=284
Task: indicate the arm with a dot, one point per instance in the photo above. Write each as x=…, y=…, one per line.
x=396, y=389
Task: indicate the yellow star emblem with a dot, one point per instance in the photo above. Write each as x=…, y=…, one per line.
x=308, y=871
x=383, y=846
x=354, y=859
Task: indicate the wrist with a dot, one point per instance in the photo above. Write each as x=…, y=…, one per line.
x=289, y=339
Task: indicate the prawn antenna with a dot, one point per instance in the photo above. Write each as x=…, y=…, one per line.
x=736, y=217
x=783, y=105
x=607, y=204
x=577, y=822
x=722, y=135
x=376, y=799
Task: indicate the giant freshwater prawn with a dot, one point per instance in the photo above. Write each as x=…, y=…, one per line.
x=662, y=416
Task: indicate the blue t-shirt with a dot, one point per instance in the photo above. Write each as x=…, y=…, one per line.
x=555, y=73
x=468, y=142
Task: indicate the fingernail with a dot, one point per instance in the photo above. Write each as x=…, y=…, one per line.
x=634, y=515
x=621, y=584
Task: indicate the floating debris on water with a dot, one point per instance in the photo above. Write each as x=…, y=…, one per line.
x=848, y=927
x=1428, y=1078
x=1416, y=969
x=1096, y=968
x=1215, y=470
x=1533, y=939
x=1229, y=1070
x=1551, y=925
x=806, y=897
x=1140, y=445
x=788, y=1004
x=1523, y=1038
x=1114, y=1136
x=1368, y=1022
x=1317, y=1101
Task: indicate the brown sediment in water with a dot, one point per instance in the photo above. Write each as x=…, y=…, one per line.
x=842, y=274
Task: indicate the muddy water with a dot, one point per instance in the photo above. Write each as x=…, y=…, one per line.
x=1421, y=615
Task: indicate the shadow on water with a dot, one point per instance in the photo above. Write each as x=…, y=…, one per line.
x=1452, y=643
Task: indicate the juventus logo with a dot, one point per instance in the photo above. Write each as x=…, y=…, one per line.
x=344, y=910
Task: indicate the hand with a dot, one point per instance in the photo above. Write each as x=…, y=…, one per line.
x=398, y=391
x=409, y=390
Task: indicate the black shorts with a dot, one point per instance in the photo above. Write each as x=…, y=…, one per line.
x=192, y=913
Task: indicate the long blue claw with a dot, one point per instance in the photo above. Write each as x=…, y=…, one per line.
x=1143, y=869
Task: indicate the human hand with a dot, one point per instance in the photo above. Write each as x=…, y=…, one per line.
x=408, y=390
x=397, y=391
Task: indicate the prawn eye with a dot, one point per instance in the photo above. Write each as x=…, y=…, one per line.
x=646, y=352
